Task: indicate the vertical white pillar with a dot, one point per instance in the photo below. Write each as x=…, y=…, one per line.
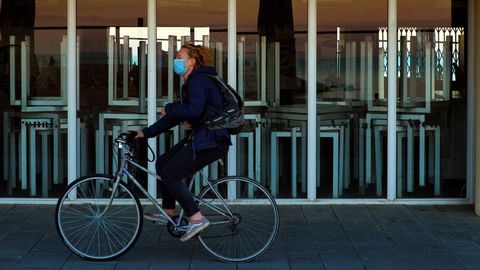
x=447, y=67
x=369, y=68
x=172, y=44
x=363, y=65
x=353, y=67
x=159, y=70
x=392, y=99
x=241, y=67
x=312, y=100
x=126, y=64
x=63, y=69
x=152, y=86
x=471, y=101
x=232, y=80
x=263, y=69
x=403, y=68
x=72, y=87
x=381, y=78
x=206, y=41
x=12, y=70
x=24, y=74
x=276, y=96
x=219, y=57
x=111, y=68
x=142, y=68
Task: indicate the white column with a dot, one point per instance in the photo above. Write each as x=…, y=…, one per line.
x=71, y=89
x=12, y=71
x=392, y=99
x=473, y=86
x=472, y=41
x=142, y=60
x=241, y=67
x=152, y=86
x=126, y=64
x=232, y=80
x=312, y=100
x=263, y=69
x=172, y=44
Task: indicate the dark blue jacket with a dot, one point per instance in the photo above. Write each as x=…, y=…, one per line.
x=199, y=94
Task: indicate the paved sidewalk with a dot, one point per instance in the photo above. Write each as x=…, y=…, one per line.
x=311, y=237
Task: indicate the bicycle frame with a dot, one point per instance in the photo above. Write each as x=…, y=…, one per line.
x=123, y=170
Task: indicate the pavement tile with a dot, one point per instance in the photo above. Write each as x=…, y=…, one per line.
x=75, y=263
x=4, y=208
x=50, y=242
x=386, y=262
x=17, y=244
x=44, y=259
x=129, y=265
x=441, y=261
x=200, y=260
x=325, y=246
x=39, y=220
x=264, y=265
x=17, y=214
x=310, y=237
x=7, y=263
x=341, y=262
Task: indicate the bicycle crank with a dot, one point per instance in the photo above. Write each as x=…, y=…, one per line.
x=176, y=230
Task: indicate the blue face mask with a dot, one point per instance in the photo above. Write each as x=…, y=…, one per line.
x=179, y=66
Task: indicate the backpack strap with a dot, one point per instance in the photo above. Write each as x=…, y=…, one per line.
x=216, y=80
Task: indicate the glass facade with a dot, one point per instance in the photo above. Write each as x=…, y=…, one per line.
x=271, y=38
x=347, y=67
x=34, y=97
x=432, y=93
x=109, y=35
x=271, y=75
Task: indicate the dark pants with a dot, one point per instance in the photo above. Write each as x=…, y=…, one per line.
x=178, y=163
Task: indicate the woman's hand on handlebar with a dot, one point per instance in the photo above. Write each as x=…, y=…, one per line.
x=140, y=135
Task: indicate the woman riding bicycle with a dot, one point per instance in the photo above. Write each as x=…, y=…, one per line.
x=200, y=99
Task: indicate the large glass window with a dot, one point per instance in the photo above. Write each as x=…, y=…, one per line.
x=432, y=99
x=33, y=97
x=110, y=82
x=113, y=69
x=271, y=72
x=202, y=22
x=271, y=41
x=349, y=63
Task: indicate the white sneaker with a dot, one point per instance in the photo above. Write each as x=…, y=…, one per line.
x=194, y=227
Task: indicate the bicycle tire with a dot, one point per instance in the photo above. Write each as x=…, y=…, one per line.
x=248, y=227
x=79, y=222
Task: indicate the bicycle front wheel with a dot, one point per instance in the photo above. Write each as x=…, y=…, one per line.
x=238, y=231
x=93, y=228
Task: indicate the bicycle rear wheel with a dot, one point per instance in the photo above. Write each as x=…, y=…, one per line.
x=89, y=233
x=238, y=231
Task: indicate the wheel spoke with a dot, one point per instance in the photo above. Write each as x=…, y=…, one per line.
x=86, y=231
x=251, y=230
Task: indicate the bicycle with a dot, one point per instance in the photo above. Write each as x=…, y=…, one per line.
x=99, y=217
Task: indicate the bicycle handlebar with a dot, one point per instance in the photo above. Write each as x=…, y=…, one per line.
x=130, y=144
x=127, y=141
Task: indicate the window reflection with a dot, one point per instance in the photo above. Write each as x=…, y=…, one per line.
x=351, y=89
x=32, y=76
x=432, y=70
x=352, y=73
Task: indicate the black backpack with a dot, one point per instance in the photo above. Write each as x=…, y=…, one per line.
x=231, y=117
